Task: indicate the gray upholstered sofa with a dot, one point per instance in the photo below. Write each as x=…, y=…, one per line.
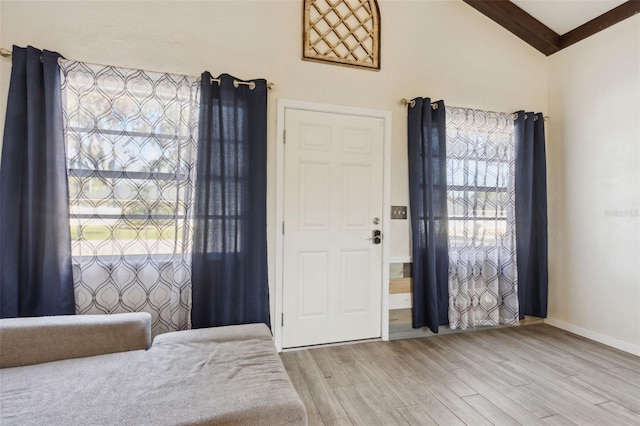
x=103, y=369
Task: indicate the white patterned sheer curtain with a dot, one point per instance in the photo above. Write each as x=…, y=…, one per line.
x=131, y=152
x=482, y=250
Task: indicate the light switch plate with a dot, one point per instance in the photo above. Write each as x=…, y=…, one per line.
x=398, y=212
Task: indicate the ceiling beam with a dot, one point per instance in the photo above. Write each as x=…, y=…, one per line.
x=612, y=17
x=519, y=23
x=539, y=35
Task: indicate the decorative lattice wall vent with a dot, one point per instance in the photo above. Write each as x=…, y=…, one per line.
x=345, y=32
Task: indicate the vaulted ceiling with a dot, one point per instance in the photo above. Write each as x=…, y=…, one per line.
x=552, y=25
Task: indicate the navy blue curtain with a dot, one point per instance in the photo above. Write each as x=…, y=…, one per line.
x=428, y=197
x=35, y=241
x=229, y=267
x=531, y=214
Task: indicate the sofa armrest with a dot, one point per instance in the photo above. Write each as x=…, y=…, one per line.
x=26, y=341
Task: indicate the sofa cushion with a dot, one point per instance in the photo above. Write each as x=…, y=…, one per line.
x=26, y=341
x=225, y=375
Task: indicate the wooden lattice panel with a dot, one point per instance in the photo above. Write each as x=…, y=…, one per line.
x=344, y=32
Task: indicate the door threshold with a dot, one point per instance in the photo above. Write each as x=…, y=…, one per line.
x=329, y=345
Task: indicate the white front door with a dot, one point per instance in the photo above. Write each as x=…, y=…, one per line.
x=333, y=200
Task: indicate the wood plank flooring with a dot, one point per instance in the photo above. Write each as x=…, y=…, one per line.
x=528, y=375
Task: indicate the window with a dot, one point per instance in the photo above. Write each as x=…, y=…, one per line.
x=480, y=160
x=131, y=152
x=480, y=195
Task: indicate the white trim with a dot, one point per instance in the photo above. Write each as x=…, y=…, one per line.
x=594, y=335
x=400, y=259
x=282, y=106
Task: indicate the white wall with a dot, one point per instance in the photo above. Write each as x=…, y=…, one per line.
x=594, y=186
x=442, y=49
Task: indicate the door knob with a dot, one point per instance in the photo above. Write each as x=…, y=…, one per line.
x=376, y=236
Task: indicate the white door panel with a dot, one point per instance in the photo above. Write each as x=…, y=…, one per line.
x=332, y=271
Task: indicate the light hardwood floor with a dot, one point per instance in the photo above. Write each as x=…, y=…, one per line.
x=529, y=375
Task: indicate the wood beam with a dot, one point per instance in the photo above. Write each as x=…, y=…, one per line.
x=519, y=23
x=539, y=35
x=612, y=17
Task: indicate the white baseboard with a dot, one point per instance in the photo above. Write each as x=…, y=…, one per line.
x=594, y=335
x=400, y=301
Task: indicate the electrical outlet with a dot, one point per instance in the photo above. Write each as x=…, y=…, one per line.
x=398, y=212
